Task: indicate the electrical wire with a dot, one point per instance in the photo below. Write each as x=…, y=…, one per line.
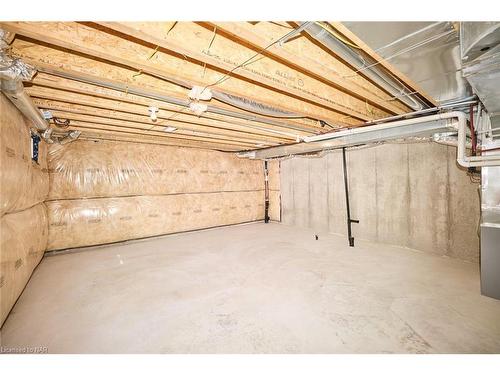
x=280, y=24
x=336, y=35
x=172, y=27
x=249, y=60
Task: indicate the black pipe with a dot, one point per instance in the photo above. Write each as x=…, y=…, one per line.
x=266, y=196
x=346, y=185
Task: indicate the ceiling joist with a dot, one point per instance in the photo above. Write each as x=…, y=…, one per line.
x=310, y=67
x=165, y=118
x=174, y=68
x=104, y=76
x=310, y=89
x=72, y=111
x=50, y=87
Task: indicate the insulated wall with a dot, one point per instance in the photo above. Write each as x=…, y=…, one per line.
x=274, y=190
x=102, y=192
x=24, y=186
x=412, y=195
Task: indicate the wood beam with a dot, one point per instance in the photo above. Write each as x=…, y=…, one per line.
x=303, y=45
x=40, y=89
x=124, y=111
x=144, y=122
x=96, y=135
x=312, y=90
x=91, y=126
x=105, y=46
x=102, y=76
x=138, y=128
x=308, y=66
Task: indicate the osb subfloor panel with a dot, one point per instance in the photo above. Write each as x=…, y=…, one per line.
x=257, y=288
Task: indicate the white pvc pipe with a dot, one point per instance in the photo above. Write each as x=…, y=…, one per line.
x=388, y=125
x=460, y=125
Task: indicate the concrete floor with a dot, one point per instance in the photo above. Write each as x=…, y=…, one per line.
x=257, y=288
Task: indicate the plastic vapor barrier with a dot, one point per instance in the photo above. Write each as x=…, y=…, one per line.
x=23, y=183
x=23, y=242
x=274, y=190
x=274, y=205
x=87, y=169
x=85, y=222
x=274, y=174
x=104, y=192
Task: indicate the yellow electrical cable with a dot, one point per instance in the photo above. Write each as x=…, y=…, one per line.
x=154, y=52
x=336, y=35
x=149, y=58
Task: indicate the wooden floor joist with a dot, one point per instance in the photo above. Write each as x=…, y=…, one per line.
x=315, y=93
x=306, y=47
x=235, y=117
x=95, y=135
x=157, y=130
x=103, y=77
x=124, y=129
x=101, y=45
x=84, y=69
x=69, y=111
x=78, y=106
x=87, y=95
x=52, y=98
x=308, y=66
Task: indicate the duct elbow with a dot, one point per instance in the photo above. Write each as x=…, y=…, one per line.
x=70, y=137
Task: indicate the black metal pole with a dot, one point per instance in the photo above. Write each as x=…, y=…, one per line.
x=346, y=186
x=266, y=195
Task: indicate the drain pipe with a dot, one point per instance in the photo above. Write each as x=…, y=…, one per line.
x=348, y=206
x=460, y=125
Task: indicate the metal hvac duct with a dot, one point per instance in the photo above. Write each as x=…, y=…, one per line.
x=370, y=68
x=14, y=90
x=477, y=38
x=70, y=137
x=12, y=74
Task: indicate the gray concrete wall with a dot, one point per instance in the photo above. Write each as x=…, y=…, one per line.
x=412, y=195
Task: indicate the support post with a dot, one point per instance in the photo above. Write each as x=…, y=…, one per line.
x=346, y=186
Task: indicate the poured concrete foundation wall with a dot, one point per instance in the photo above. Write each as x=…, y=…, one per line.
x=102, y=192
x=24, y=186
x=412, y=195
